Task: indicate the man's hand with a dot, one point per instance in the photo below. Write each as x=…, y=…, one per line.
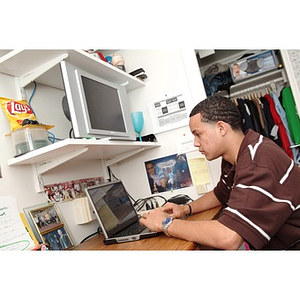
x=175, y=210
x=153, y=219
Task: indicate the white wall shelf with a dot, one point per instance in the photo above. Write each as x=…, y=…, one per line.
x=29, y=65
x=47, y=158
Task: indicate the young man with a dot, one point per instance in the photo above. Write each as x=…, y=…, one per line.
x=259, y=187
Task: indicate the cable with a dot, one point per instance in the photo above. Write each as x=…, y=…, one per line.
x=52, y=138
x=149, y=202
x=31, y=96
x=141, y=202
x=110, y=172
x=99, y=231
x=71, y=133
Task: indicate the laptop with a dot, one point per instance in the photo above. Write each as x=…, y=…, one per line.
x=118, y=218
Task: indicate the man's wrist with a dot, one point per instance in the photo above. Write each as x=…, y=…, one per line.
x=188, y=210
x=166, y=223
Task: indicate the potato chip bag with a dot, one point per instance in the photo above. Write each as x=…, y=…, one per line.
x=16, y=112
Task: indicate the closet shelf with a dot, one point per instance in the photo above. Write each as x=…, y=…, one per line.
x=259, y=80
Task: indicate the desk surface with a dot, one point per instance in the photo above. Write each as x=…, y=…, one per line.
x=160, y=242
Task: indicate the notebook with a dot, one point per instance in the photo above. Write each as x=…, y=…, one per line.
x=116, y=214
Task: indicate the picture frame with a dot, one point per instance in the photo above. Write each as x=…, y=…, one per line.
x=46, y=218
x=48, y=226
x=58, y=239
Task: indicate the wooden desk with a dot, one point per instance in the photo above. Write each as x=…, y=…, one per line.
x=160, y=242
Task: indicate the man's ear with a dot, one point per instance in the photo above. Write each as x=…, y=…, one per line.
x=222, y=127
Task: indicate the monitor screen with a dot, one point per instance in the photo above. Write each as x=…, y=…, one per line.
x=98, y=107
x=103, y=105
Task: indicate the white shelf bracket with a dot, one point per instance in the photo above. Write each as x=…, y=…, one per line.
x=40, y=168
x=115, y=159
x=29, y=77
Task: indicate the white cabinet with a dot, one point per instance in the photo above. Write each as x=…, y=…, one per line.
x=43, y=67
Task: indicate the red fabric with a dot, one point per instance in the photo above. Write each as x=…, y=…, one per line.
x=281, y=131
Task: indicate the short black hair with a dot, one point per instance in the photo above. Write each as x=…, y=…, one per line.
x=217, y=108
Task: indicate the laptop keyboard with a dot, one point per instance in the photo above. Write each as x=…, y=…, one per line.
x=135, y=228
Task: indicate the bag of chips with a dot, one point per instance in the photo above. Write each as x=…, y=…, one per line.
x=18, y=113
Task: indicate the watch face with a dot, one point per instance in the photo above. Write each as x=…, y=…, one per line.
x=167, y=220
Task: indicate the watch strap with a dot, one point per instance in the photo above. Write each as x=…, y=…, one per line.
x=166, y=223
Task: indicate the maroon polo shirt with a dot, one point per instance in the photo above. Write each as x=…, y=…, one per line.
x=261, y=195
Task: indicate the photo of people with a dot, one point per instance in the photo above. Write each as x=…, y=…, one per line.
x=168, y=173
x=58, y=239
x=46, y=218
x=66, y=191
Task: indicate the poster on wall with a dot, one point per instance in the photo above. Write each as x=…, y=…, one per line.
x=168, y=173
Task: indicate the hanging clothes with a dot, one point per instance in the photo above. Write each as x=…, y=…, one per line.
x=271, y=126
x=262, y=117
x=254, y=115
x=281, y=128
x=246, y=115
x=280, y=110
x=293, y=120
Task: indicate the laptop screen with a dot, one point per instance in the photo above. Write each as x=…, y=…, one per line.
x=113, y=206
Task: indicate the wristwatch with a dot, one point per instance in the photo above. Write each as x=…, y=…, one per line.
x=165, y=224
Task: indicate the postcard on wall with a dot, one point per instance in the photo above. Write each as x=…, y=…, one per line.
x=200, y=174
x=168, y=173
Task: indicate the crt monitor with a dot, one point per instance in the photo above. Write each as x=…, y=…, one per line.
x=97, y=107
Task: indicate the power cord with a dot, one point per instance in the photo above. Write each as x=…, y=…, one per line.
x=149, y=202
x=99, y=231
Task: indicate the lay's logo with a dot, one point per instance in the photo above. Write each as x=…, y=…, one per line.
x=14, y=108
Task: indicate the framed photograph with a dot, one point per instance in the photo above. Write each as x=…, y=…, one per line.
x=253, y=65
x=46, y=218
x=58, y=239
x=47, y=224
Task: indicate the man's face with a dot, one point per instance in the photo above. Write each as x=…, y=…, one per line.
x=150, y=169
x=207, y=137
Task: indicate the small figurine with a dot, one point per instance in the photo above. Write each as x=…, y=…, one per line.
x=118, y=61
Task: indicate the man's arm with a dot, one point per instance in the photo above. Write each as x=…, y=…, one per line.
x=209, y=233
